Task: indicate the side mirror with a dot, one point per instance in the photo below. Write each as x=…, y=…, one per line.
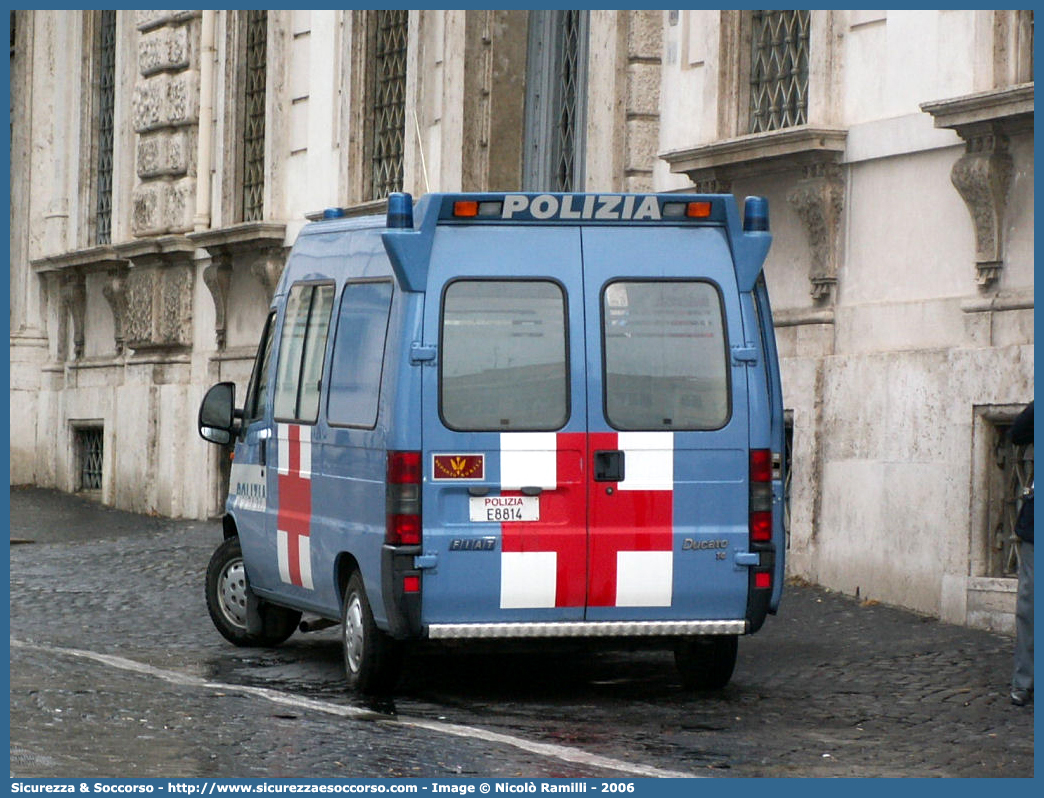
x=217, y=413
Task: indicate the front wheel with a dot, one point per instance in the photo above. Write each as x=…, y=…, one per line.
x=706, y=663
x=372, y=659
x=227, y=594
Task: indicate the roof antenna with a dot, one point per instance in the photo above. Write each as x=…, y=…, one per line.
x=420, y=149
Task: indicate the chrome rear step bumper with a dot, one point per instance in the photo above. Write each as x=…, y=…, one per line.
x=461, y=631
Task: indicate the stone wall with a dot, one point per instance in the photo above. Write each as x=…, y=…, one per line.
x=165, y=119
x=901, y=277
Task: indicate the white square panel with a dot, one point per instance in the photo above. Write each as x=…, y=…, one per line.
x=648, y=460
x=528, y=579
x=528, y=459
x=644, y=578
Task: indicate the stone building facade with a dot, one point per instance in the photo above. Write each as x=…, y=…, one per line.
x=162, y=163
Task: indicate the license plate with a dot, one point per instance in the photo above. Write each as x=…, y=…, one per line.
x=495, y=509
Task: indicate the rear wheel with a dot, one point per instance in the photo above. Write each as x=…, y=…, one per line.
x=372, y=659
x=227, y=594
x=706, y=663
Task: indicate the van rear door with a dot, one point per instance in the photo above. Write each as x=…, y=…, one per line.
x=504, y=502
x=668, y=419
x=585, y=427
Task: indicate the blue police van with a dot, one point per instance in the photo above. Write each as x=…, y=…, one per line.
x=508, y=416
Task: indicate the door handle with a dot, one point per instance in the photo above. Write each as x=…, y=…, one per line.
x=262, y=449
x=609, y=465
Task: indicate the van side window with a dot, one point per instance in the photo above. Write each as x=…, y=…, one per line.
x=257, y=390
x=301, y=352
x=503, y=356
x=358, y=354
x=666, y=364
x=762, y=340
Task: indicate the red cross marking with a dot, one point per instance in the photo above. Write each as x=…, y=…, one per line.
x=295, y=506
x=562, y=527
x=624, y=520
x=587, y=525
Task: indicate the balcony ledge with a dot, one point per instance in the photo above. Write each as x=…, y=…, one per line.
x=759, y=153
x=1010, y=108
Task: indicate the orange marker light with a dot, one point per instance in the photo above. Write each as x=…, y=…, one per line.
x=698, y=210
x=465, y=208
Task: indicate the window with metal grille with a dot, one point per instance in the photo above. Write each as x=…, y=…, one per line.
x=89, y=451
x=106, y=129
x=779, y=69
x=388, y=101
x=255, y=57
x=556, y=89
x=1012, y=477
x=565, y=121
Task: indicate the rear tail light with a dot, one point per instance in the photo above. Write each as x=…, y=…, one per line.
x=760, y=465
x=761, y=527
x=761, y=512
x=404, y=499
x=761, y=495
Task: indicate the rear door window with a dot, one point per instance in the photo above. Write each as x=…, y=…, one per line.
x=503, y=355
x=666, y=365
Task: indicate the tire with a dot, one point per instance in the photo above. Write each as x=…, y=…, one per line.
x=372, y=659
x=706, y=663
x=227, y=590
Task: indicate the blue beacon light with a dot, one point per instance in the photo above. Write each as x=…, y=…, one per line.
x=400, y=210
x=755, y=215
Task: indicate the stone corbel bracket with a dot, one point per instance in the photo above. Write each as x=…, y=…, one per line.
x=983, y=174
x=818, y=196
x=257, y=247
x=218, y=279
x=69, y=271
x=73, y=294
x=114, y=289
x=819, y=199
x=267, y=267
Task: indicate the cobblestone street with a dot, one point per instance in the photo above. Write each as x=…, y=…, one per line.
x=116, y=670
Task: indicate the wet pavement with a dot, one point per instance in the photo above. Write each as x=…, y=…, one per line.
x=116, y=670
